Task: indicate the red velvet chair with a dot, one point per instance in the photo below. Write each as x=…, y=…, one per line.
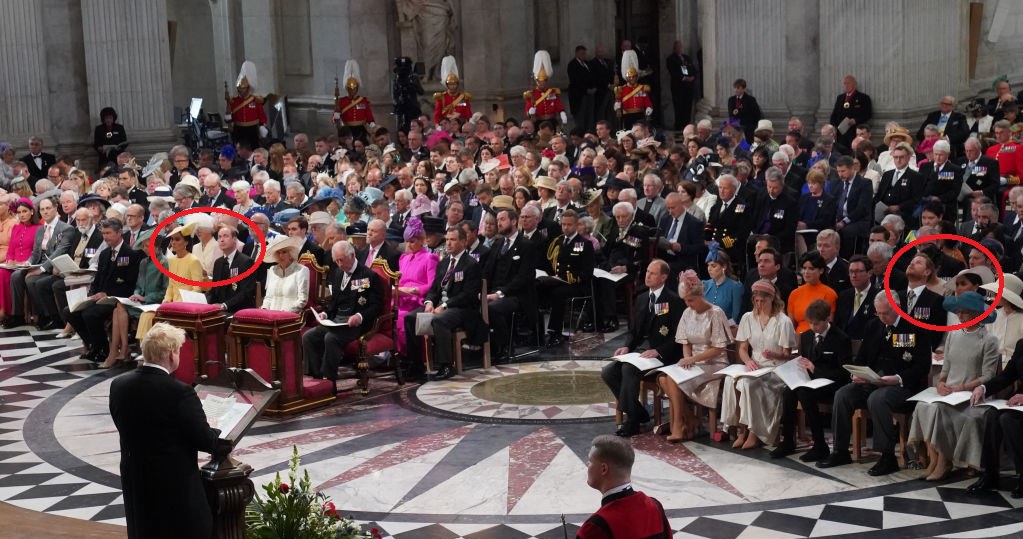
x=382, y=337
x=203, y=350
x=319, y=292
x=270, y=343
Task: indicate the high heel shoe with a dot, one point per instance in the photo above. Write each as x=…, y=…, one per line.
x=111, y=362
x=751, y=441
x=740, y=439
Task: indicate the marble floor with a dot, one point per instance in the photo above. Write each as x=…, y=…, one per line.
x=455, y=459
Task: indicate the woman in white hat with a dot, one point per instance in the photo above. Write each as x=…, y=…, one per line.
x=287, y=283
x=1008, y=326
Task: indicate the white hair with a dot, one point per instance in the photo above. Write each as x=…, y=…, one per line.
x=240, y=185
x=728, y=178
x=623, y=206
x=895, y=221
x=781, y=156
x=272, y=185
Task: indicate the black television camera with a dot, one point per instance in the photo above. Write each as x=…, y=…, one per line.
x=405, y=90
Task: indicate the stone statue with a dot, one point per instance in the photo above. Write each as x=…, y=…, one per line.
x=433, y=24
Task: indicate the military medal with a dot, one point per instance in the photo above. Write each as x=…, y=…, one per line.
x=663, y=331
x=735, y=112
x=845, y=105
x=362, y=301
x=110, y=134
x=661, y=309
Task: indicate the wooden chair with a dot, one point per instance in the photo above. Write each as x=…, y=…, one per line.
x=460, y=334
x=319, y=291
x=382, y=337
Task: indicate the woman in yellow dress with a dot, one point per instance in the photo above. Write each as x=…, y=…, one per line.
x=183, y=264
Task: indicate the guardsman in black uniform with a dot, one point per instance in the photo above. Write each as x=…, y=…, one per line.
x=853, y=107
x=902, y=187
x=944, y=180
x=779, y=213
x=657, y=311
x=900, y=354
x=571, y=259
x=980, y=173
x=730, y=219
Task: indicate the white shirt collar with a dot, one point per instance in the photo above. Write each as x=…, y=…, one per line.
x=616, y=490
x=657, y=292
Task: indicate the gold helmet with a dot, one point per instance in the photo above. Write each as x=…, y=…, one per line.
x=351, y=76
x=542, y=69
x=630, y=64
x=449, y=70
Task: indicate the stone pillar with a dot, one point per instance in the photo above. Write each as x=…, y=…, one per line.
x=895, y=54
x=127, y=60
x=71, y=121
x=801, y=26
x=262, y=45
x=227, y=48
x=25, y=111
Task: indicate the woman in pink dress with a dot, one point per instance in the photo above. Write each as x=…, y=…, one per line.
x=417, y=266
x=20, y=248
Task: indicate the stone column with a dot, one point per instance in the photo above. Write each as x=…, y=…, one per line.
x=262, y=45
x=127, y=60
x=801, y=26
x=25, y=110
x=227, y=48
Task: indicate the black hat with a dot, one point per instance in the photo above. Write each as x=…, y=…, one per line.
x=433, y=225
x=618, y=184
x=93, y=198
x=358, y=228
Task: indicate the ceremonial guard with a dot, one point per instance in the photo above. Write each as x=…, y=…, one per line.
x=451, y=103
x=543, y=103
x=353, y=110
x=852, y=108
x=245, y=110
x=632, y=101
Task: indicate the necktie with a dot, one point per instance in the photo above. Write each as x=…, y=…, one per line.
x=133, y=236
x=370, y=256
x=653, y=299
x=344, y=280
x=942, y=122
x=505, y=246
x=910, y=300
x=673, y=229
x=451, y=270
x=856, y=301
x=557, y=215
x=46, y=235
x=817, y=343
x=724, y=208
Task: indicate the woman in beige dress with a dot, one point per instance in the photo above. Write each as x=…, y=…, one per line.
x=703, y=333
x=765, y=339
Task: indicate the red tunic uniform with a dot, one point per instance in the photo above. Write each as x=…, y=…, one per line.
x=547, y=103
x=627, y=515
x=445, y=104
x=1008, y=156
x=634, y=99
x=353, y=112
x=246, y=111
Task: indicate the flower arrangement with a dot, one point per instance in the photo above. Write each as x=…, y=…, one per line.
x=294, y=509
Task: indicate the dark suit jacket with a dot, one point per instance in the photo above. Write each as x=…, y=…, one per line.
x=117, y=277
x=860, y=109
x=690, y=239
x=1013, y=372
x=92, y=245
x=657, y=329
x=513, y=272
x=778, y=217
x=735, y=222
x=854, y=323
x=550, y=213
x=62, y=241
x=834, y=351
x=984, y=178
x=860, y=205
x=221, y=200
x=838, y=276
x=905, y=194
x=956, y=129
x=35, y=173
x=629, y=251
x=161, y=426
x=944, y=184
x=386, y=251
x=785, y=283
x=879, y=353
x=575, y=260
x=480, y=253
x=928, y=308
x=897, y=280
x=795, y=177
x=239, y=295
x=363, y=294
x=748, y=115
x=463, y=287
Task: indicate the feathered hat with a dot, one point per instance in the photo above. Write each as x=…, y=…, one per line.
x=352, y=77
x=449, y=70
x=630, y=64
x=542, y=69
x=247, y=76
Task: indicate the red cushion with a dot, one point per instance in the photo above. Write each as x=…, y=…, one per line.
x=379, y=343
x=265, y=316
x=314, y=388
x=198, y=310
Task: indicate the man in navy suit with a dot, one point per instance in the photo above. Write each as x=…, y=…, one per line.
x=681, y=244
x=510, y=274
x=950, y=123
x=855, y=304
x=854, y=206
x=238, y=295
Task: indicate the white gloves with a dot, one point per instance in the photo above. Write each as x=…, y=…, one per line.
x=649, y=111
x=337, y=116
x=564, y=117
x=618, y=106
x=531, y=111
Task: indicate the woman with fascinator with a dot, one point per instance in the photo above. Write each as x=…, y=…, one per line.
x=722, y=289
x=417, y=266
x=19, y=250
x=704, y=334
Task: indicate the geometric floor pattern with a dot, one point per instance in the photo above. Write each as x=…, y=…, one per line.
x=431, y=462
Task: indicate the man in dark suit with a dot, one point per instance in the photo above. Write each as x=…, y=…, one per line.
x=901, y=356
x=851, y=106
x=795, y=175
x=47, y=290
x=950, y=123
x=298, y=227
x=657, y=310
x=161, y=425
x=743, y=108
x=564, y=194
x=37, y=161
x=778, y=212
x=825, y=348
x=901, y=188
x=539, y=232
x=944, y=180
x=855, y=305
x=214, y=195
x=769, y=266
x=510, y=274
x=473, y=244
x=625, y=252
x=680, y=242
x=731, y=219
x=854, y=206
x=272, y=201
x=980, y=173
x=377, y=246
x=682, y=73
x=880, y=253
x=581, y=89
x=603, y=79
x=836, y=274
x=920, y=302
x=53, y=239
x=573, y=267
x=454, y=301
x=116, y=276
x=1001, y=424
x=356, y=300
x=238, y=295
